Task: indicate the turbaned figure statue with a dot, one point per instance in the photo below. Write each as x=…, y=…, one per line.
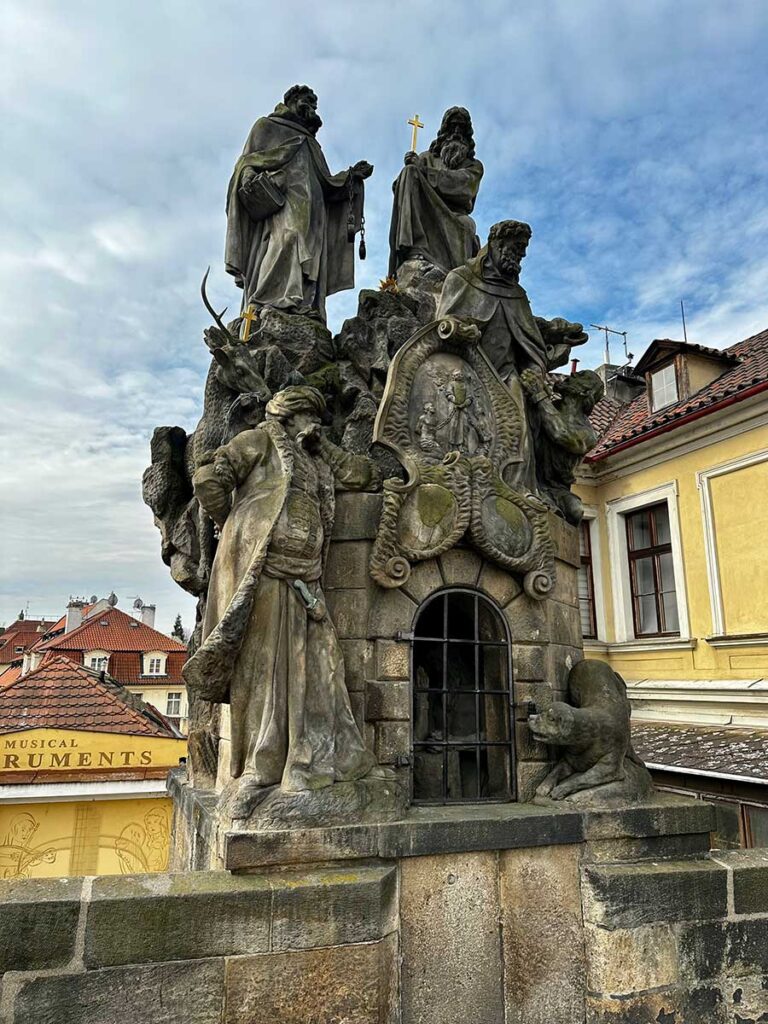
x=434, y=196
x=291, y=224
x=269, y=647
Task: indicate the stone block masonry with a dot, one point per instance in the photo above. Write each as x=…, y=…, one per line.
x=503, y=914
x=202, y=948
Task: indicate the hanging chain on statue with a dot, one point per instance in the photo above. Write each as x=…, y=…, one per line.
x=351, y=221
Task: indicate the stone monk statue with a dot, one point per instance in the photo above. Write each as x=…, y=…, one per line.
x=290, y=222
x=434, y=196
x=487, y=291
x=269, y=648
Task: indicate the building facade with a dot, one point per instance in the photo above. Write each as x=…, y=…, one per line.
x=674, y=578
x=83, y=765
x=99, y=636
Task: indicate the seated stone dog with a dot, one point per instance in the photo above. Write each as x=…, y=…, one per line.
x=598, y=765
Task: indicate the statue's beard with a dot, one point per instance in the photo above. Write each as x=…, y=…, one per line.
x=454, y=153
x=307, y=117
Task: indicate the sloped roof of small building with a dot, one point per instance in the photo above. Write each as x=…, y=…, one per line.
x=112, y=630
x=634, y=422
x=61, y=694
x=705, y=750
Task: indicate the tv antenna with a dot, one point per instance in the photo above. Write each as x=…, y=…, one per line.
x=682, y=311
x=607, y=331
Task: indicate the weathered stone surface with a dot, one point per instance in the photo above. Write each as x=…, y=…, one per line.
x=391, y=612
x=527, y=620
x=423, y=831
x=347, y=565
x=349, y=613
x=165, y=993
x=628, y=895
x=666, y=814
x=388, y=700
x=393, y=740
x=358, y=662
x=542, y=935
x=38, y=922
x=526, y=747
x=560, y=660
x=424, y=579
x=393, y=659
x=183, y=917
x=665, y=847
x=566, y=540
x=528, y=663
x=357, y=515
x=451, y=969
x=334, y=907
x=626, y=961
x=349, y=984
x=703, y=1004
x=750, y=879
x=564, y=624
x=357, y=702
x=566, y=588
x=460, y=567
x=720, y=948
x=500, y=585
x=530, y=774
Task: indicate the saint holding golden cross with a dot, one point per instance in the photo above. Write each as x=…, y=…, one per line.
x=416, y=125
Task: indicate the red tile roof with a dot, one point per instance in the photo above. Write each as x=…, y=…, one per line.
x=63, y=695
x=10, y=675
x=635, y=422
x=113, y=630
x=23, y=633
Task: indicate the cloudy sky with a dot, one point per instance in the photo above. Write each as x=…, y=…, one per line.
x=632, y=136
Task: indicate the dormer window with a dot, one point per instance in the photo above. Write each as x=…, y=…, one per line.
x=155, y=663
x=96, y=660
x=664, y=387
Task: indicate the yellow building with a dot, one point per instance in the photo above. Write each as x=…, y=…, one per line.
x=83, y=765
x=674, y=584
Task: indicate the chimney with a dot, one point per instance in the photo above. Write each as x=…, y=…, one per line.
x=621, y=384
x=74, y=615
x=148, y=615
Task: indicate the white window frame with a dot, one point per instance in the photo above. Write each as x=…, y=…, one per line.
x=148, y=657
x=616, y=512
x=94, y=655
x=169, y=694
x=655, y=406
x=593, y=522
x=703, y=479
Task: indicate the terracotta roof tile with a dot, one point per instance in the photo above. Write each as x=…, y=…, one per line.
x=635, y=420
x=113, y=630
x=60, y=694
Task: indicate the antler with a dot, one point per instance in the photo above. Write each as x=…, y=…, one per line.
x=216, y=316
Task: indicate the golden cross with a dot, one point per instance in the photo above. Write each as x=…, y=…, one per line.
x=248, y=317
x=416, y=125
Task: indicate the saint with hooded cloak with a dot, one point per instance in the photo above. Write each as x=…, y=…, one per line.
x=435, y=194
x=487, y=291
x=269, y=647
x=293, y=245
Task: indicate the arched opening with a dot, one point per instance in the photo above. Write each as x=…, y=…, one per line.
x=461, y=675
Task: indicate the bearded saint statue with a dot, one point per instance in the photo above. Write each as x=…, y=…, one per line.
x=290, y=222
x=269, y=648
x=434, y=196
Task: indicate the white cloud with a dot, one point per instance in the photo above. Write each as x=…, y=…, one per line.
x=630, y=135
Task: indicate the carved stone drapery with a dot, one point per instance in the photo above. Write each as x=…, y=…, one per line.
x=461, y=435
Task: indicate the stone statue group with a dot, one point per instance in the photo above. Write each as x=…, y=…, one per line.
x=245, y=504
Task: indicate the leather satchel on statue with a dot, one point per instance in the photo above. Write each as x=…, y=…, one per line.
x=261, y=197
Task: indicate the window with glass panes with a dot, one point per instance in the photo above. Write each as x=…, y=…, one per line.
x=173, y=705
x=664, y=387
x=586, y=584
x=99, y=663
x=651, y=572
x=155, y=666
x=463, y=735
